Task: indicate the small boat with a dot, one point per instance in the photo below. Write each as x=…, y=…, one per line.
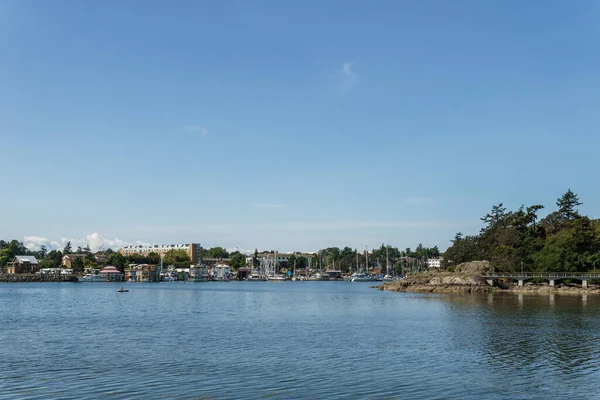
x=277, y=278
x=362, y=277
x=121, y=290
x=92, y=278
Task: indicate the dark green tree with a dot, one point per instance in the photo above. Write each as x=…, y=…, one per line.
x=238, y=260
x=567, y=205
x=117, y=260
x=217, y=252
x=77, y=265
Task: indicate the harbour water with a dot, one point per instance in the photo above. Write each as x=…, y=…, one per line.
x=240, y=340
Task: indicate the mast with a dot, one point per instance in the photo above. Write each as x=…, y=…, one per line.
x=387, y=260
x=367, y=259
x=320, y=263
x=357, y=271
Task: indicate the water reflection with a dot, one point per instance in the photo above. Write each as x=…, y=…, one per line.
x=536, y=334
x=305, y=340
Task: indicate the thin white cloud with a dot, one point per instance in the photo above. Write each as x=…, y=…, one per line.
x=195, y=129
x=419, y=200
x=348, y=77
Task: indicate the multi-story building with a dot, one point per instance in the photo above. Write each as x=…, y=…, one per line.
x=193, y=250
x=434, y=263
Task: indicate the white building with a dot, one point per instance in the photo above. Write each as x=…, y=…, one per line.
x=192, y=249
x=434, y=263
x=221, y=271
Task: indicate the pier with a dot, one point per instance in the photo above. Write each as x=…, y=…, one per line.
x=551, y=277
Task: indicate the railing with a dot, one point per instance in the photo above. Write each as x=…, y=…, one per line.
x=547, y=275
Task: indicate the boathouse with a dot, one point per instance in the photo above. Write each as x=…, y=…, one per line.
x=111, y=273
x=23, y=265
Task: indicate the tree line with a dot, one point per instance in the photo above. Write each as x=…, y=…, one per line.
x=344, y=259
x=563, y=240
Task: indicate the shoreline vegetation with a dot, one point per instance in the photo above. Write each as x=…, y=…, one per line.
x=469, y=278
x=564, y=241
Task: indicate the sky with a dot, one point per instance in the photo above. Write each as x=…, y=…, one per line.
x=291, y=125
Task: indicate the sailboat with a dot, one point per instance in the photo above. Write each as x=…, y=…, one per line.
x=361, y=276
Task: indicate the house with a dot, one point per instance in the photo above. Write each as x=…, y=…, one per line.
x=142, y=273
x=23, y=265
x=221, y=271
x=68, y=259
x=111, y=273
x=101, y=258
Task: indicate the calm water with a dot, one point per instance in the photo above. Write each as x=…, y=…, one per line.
x=292, y=340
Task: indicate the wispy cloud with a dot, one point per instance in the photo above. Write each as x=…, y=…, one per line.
x=348, y=77
x=195, y=129
x=419, y=200
x=267, y=205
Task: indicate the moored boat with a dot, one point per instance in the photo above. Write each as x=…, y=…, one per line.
x=92, y=278
x=362, y=277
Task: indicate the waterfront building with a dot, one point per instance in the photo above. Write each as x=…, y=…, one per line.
x=192, y=249
x=68, y=259
x=111, y=273
x=434, y=263
x=221, y=271
x=142, y=273
x=23, y=265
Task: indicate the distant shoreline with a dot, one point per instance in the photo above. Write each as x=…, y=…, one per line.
x=33, y=278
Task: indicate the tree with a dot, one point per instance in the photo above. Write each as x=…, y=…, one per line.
x=177, y=257
x=238, y=260
x=567, y=205
x=77, y=265
x=52, y=260
x=90, y=258
x=68, y=249
x=118, y=260
x=217, y=252
x=255, y=260
x=153, y=258
x=494, y=217
x=43, y=252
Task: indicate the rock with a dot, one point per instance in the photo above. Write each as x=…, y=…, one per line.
x=475, y=268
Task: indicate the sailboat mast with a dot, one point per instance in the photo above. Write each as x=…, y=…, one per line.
x=387, y=259
x=367, y=259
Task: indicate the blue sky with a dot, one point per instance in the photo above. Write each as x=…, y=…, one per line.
x=291, y=125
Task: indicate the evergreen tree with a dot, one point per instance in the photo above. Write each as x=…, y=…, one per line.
x=567, y=205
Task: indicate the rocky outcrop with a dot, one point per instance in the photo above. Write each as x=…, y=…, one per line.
x=469, y=278
x=28, y=278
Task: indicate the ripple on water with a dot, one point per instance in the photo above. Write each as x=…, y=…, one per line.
x=294, y=340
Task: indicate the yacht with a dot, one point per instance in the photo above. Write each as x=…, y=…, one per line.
x=278, y=278
x=92, y=278
x=362, y=277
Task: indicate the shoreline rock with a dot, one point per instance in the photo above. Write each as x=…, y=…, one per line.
x=469, y=278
